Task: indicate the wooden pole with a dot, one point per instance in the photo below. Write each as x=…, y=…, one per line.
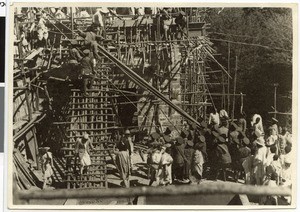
x=20, y=48
x=234, y=87
x=215, y=188
x=228, y=79
x=72, y=21
x=275, y=99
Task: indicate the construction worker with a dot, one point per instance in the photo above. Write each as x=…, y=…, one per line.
x=74, y=55
x=87, y=71
x=47, y=164
x=98, y=18
x=91, y=38
x=82, y=148
x=181, y=22
x=123, y=150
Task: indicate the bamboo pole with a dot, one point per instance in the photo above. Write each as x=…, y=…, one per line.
x=234, y=87
x=23, y=71
x=228, y=79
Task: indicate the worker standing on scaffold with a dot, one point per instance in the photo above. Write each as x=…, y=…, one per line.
x=87, y=71
x=91, y=38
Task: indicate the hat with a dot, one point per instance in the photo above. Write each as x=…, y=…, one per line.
x=275, y=120
x=194, y=126
x=167, y=145
x=179, y=140
x=155, y=135
x=167, y=138
x=246, y=141
x=203, y=124
x=201, y=138
x=73, y=42
x=86, y=136
x=221, y=139
x=190, y=143
x=260, y=141
x=86, y=51
x=184, y=133
x=127, y=132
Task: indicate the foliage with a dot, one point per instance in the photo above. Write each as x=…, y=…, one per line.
x=262, y=40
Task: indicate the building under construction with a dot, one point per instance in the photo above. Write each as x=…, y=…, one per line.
x=153, y=72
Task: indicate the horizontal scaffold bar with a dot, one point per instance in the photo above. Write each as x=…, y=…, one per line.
x=208, y=188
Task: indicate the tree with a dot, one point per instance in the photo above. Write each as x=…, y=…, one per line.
x=262, y=39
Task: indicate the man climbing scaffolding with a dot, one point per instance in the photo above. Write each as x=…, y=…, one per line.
x=91, y=38
x=87, y=71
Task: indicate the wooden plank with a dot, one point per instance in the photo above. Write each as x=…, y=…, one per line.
x=34, y=53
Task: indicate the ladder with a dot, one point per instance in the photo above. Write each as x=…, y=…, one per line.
x=90, y=114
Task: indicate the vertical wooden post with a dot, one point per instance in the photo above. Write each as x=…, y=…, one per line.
x=23, y=70
x=228, y=79
x=72, y=21
x=275, y=98
x=234, y=87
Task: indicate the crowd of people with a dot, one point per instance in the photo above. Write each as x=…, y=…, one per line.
x=221, y=149
x=256, y=155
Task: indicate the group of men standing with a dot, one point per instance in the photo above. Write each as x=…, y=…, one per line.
x=224, y=147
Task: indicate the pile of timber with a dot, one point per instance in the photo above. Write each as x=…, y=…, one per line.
x=25, y=178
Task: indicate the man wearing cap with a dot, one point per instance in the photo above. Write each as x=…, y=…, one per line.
x=165, y=167
x=83, y=147
x=98, y=18
x=181, y=22
x=87, y=71
x=243, y=153
x=222, y=158
x=47, y=164
x=242, y=123
x=123, y=150
x=199, y=158
x=74, y=55
x=154, y=160
x=91, y=38
x=188, y=153
x=179, y=159
x=259, y=161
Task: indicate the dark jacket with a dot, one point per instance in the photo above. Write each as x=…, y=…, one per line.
x=178, y=153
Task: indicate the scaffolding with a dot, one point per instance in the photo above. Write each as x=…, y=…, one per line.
x=161, y=78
